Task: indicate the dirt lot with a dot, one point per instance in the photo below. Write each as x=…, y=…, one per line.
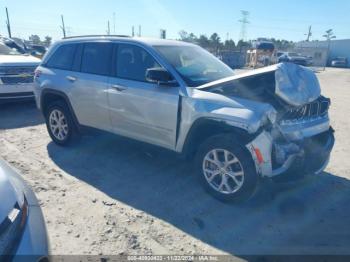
x=109, y=195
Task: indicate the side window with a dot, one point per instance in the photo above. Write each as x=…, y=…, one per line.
x=133, y=61
x=63, y=57
x=96, y=58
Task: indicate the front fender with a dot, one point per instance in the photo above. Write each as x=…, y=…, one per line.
x=239, y=113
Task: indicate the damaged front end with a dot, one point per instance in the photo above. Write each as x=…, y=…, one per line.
x=299, y=139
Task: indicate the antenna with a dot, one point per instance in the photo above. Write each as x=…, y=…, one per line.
x=244, y=21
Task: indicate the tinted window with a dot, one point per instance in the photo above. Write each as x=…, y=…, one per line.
x=63, y=57
x=96, y=58
x=133, y=61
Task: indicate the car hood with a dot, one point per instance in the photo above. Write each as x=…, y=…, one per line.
x=293, y=84
x=19, y=60
x=8, y=195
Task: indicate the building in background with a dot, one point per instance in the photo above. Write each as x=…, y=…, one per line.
x=318, y=50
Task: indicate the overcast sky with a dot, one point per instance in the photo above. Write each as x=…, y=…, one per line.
x=280, y=19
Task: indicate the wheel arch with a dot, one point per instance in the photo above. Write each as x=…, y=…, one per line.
x=49, y=96
x=204, y=128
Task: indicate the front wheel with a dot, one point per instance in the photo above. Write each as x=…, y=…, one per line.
x=226, y=169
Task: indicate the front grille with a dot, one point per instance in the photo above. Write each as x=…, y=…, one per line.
x=17, y=80
x=11, y=229
x=17, y=75
x=16, y=70
x=318, y=108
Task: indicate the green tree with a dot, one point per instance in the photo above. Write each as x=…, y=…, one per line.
x=48, y=40
x=204, y=41
x=35, y=39
x=215, y=42
x=230, y=44
x=186, y=37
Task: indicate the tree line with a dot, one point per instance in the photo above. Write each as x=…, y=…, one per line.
x=215, y=44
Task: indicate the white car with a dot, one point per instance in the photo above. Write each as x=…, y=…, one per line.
x=16, y=74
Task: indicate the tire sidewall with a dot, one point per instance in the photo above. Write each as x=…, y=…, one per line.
x=61, y=107
x=227, y=142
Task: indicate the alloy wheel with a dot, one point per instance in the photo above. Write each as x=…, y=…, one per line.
x=223, y=171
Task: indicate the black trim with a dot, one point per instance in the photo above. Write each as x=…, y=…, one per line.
x=206, y=127
x=17, y=94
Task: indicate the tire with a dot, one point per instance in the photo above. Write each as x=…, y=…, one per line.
x=58, y=114
x=239, y=189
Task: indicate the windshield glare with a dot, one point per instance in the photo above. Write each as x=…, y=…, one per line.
x=195, y=65
x=5, y=50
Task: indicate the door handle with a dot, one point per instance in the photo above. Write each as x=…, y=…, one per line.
x=119, y=88
x=71, y=78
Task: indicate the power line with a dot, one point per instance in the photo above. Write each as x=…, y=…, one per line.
x=309, y=34
x=244, y=21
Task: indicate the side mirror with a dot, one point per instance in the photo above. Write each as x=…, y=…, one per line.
x=160, y=76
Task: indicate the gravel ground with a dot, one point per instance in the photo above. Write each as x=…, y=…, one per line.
x=108, y=195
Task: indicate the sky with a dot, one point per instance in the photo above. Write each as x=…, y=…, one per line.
x=280, y=19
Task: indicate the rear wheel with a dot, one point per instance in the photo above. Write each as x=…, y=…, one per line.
x=226, y=169
x=60, y=124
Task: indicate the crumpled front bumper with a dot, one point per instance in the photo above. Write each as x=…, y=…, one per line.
x=309, y=155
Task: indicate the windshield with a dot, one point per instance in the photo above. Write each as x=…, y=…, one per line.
x=195, y=65
x=5, y=50
x=293, y=54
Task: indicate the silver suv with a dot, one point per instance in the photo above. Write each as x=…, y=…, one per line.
x=270, y=122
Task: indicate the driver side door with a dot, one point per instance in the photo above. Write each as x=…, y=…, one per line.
x=139, y=109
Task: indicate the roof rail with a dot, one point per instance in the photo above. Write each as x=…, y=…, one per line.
x=78, y=36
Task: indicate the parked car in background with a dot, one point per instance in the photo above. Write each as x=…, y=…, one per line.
x=294, y=58
x=339, y=62
x=23, y=234
x=37, y=50
x=270, y=122
x=16, y=74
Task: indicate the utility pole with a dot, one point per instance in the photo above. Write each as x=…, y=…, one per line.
x=309, y=34
x=63, y=27
x=139, y=30
x=133, y=31
x=329, y=36
x=114, y=23
x=8, y=23
x=244, y=21
x=108, y=28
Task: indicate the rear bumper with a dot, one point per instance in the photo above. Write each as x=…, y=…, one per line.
x=16, y=92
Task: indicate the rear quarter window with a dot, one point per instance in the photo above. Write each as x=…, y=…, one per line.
x=63, y=57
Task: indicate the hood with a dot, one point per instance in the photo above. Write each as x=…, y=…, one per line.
x=19, y=60
x=8, y=194
x=291, y=83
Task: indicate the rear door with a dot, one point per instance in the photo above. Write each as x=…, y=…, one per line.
x=140, y=109
x=90, y=84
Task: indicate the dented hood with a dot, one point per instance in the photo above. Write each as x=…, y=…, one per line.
x=296, y=85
